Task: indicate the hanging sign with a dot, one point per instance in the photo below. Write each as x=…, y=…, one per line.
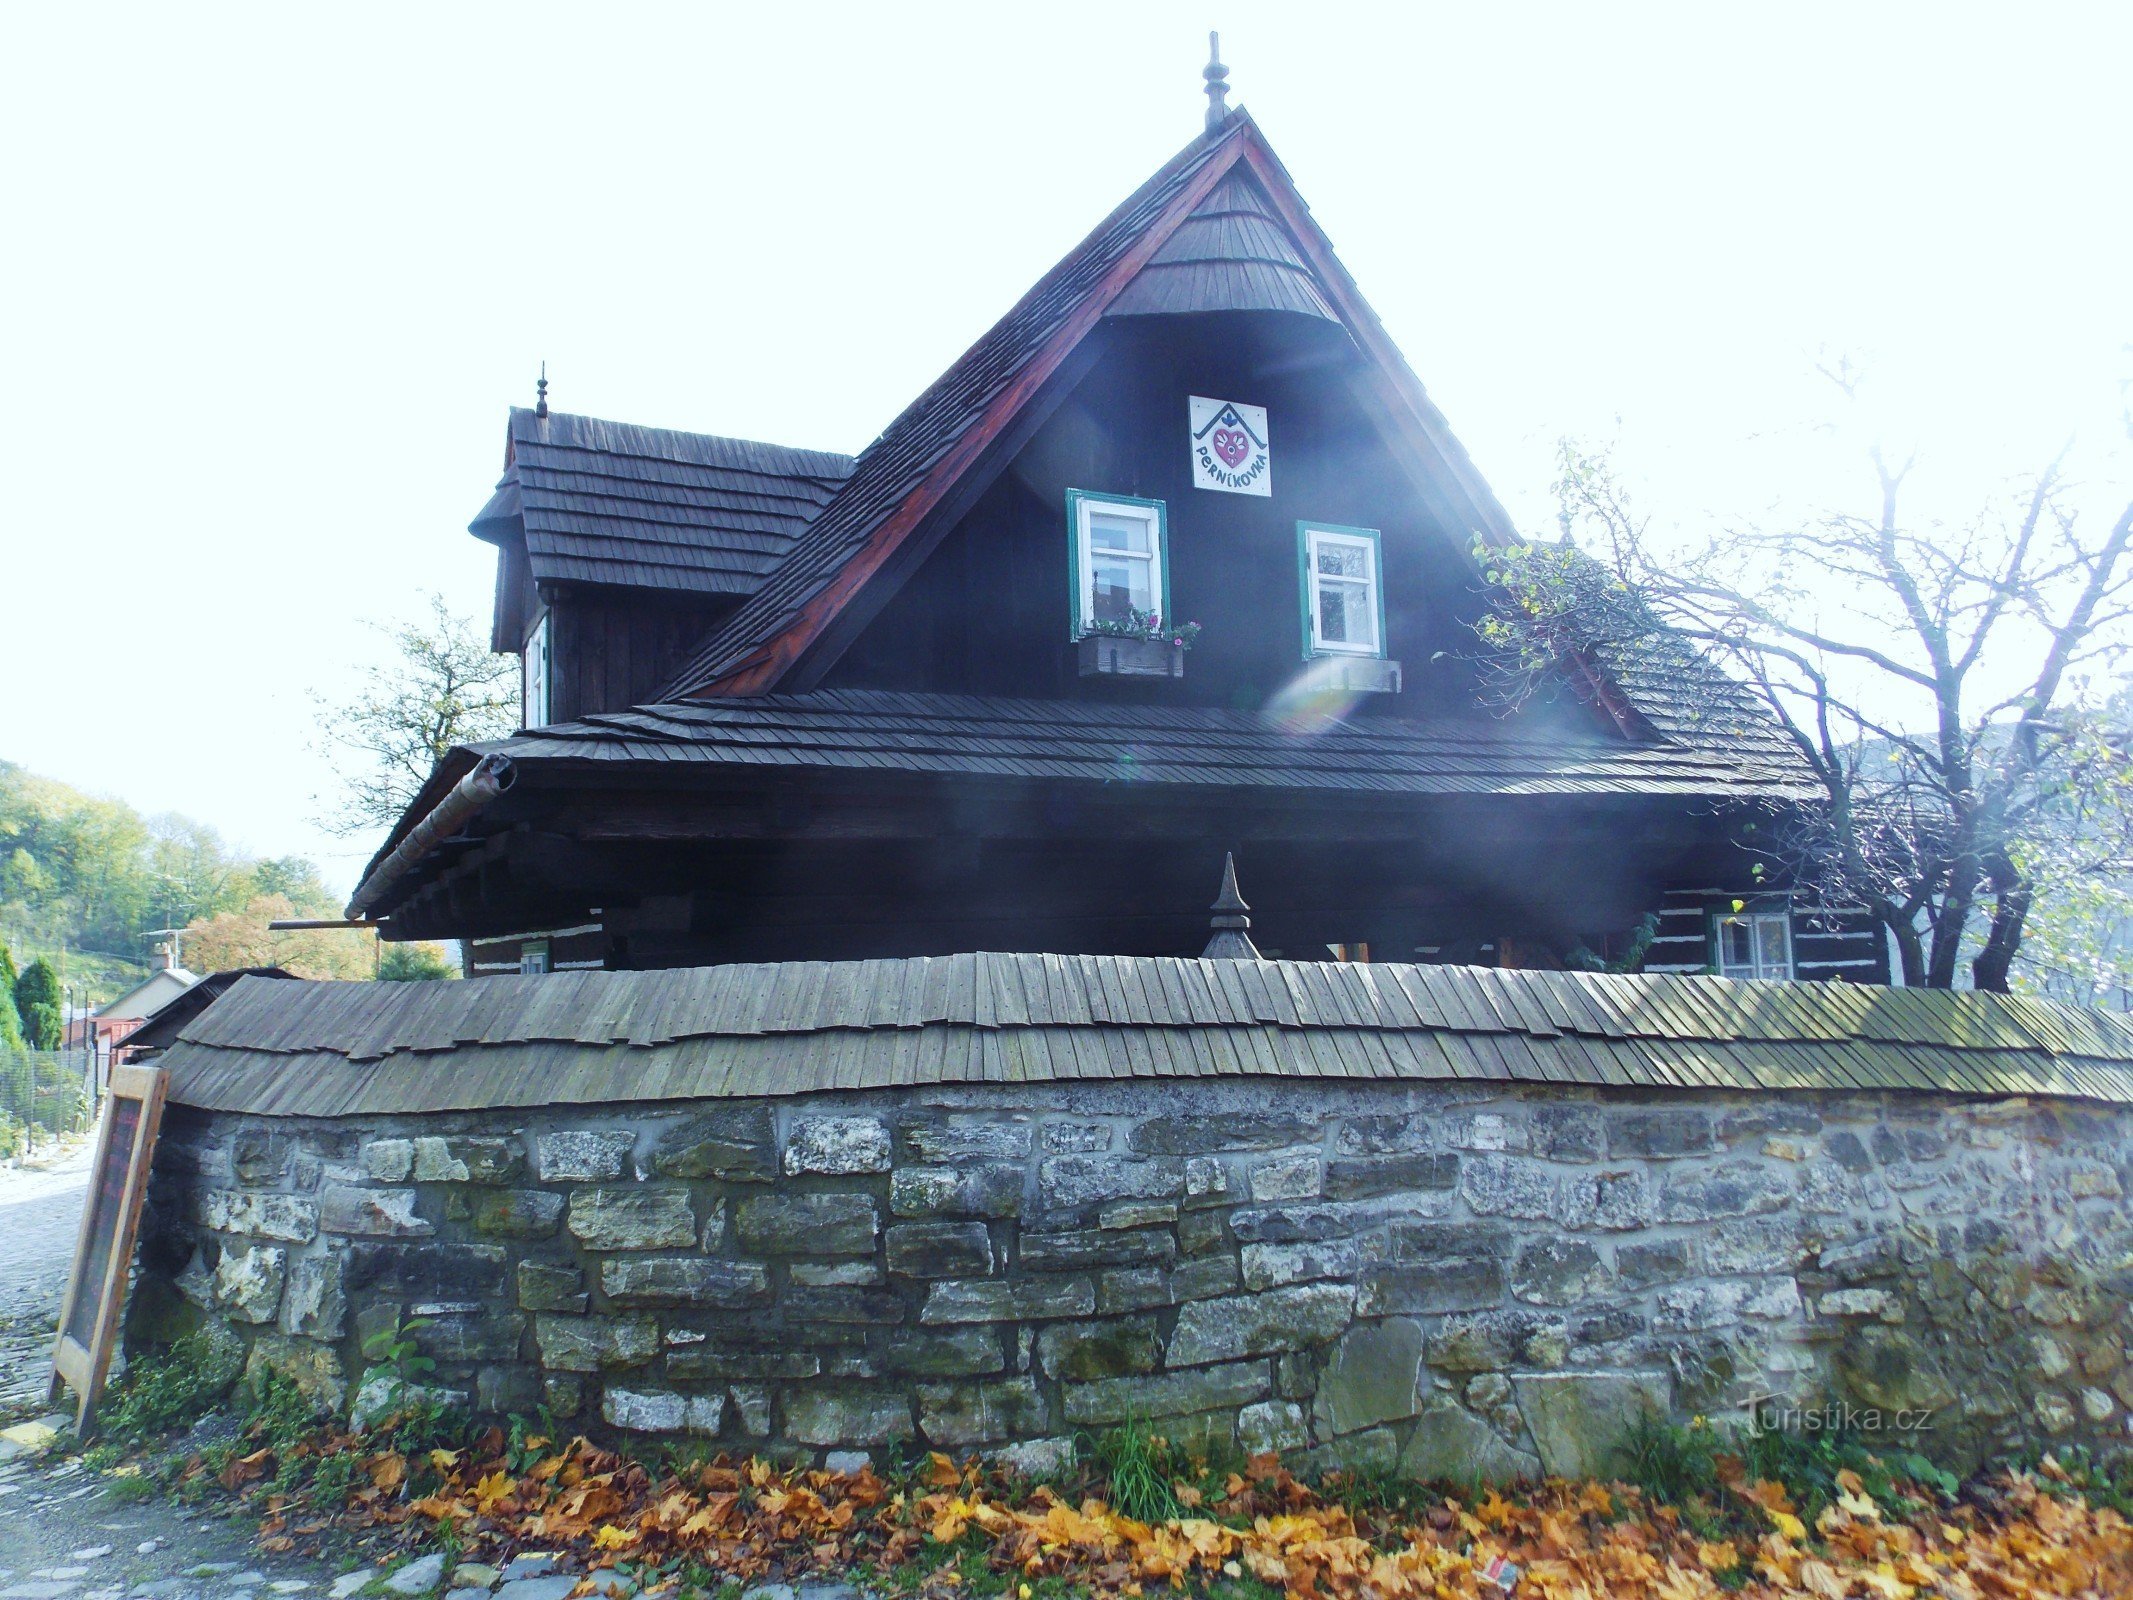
x=1229, y=446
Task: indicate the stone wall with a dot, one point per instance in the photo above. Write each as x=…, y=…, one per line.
x=1449, y=1278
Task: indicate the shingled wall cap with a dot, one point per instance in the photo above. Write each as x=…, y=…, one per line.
x=797, y=1028
x=1231, y=942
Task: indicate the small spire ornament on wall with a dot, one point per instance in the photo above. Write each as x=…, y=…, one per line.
x=1217, y=76
x=1231, y=941
x=540, y=393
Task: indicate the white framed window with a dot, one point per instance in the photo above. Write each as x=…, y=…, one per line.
x=1120, y=563
x=1753, y=944
x=533, y=958
x=533, y=678
x=1343, y=590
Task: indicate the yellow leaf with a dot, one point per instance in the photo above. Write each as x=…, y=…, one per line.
x=1822, y=1579
x=609, y=1537
x=1884, y=1582
x=1858, y=1505
x=1789, y=1525
x=1720, y=1557
x=492, y=1489
x=940, y=1471
x=444, y=1460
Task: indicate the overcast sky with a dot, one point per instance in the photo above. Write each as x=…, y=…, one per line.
x=273, y=276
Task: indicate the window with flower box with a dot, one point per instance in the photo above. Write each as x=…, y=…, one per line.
x=1120, y=562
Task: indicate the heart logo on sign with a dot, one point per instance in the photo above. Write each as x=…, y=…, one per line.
x=1232, y=446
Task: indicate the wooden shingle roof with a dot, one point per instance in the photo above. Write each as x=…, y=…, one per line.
x=939, y=434
x=651, y=508
x=341, y=1049
x=969, y=735
x=1201, y=235
x=1231, y=254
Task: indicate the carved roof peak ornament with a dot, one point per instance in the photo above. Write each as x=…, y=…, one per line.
x=1229, y=922
x=1217, y=76
x=540, y=393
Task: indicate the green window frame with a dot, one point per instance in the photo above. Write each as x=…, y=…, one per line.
x=1309, y=535
x=1081, y=505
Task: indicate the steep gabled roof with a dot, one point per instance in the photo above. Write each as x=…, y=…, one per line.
x=1217, y=208
x=652, y=508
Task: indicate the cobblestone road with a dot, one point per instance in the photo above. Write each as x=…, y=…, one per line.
x=63, y=1536
x=39, y=1213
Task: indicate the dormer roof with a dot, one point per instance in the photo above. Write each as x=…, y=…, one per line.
x=653, y=508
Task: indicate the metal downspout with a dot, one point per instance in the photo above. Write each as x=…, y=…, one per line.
x=491, y=776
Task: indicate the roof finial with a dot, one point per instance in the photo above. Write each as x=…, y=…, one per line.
x=540, y=390
x=1216, y=75
x=1230, y=941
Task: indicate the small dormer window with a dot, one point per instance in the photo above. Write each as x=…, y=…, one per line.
x=1120, y=563
x=1343, y=594
x=533, y=676
x=533, y=958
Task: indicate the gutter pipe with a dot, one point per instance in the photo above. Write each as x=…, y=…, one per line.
x=491, y=776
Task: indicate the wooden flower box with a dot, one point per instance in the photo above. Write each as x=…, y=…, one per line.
x=1360, y=674
x=1105, y=657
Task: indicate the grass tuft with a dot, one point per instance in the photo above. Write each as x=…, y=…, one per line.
x=1139, y=1466
x=1672, y=1464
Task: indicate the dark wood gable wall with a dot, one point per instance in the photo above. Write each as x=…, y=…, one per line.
x=608, y=649
x=988, y=611
x=615, y=648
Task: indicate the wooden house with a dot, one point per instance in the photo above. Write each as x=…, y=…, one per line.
x=787, y=704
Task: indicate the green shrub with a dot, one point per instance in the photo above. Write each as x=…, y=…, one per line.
x=182, y=1384
x=334, y=1479
x=1806, y=1465
x=278, y=1412
x=2104, y=1481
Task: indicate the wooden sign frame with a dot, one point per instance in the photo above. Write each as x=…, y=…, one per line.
x=110, y=1222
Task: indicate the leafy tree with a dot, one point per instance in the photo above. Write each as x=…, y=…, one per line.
x=243, y=938
x=297, y=881
x=1938, y=681
x=413, y=963
x=37, y=1000
x=442, y=686
x=10, y=1018
x=195, y=874
x=89, y=875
